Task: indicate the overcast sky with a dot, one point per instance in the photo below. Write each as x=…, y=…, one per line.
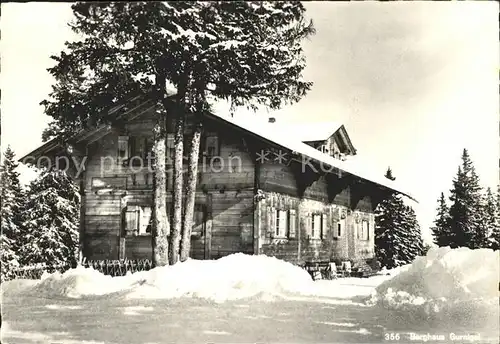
x=413, y=82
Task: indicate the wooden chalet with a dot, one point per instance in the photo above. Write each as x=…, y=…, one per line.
x=263, y=188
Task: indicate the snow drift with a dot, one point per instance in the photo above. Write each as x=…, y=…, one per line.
x=458, y=285
x=229, y=278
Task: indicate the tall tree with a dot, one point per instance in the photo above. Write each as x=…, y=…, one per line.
x=413, y=242
x=11, y=198
x=492, y=220
x=52, y=221
x=466, y=210
x=398, y=239
x=248, y=53
x=441, y=232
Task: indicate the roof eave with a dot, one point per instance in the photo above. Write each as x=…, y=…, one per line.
x=43, y=149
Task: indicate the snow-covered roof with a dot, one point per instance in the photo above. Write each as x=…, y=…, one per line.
x=268, y=131
x=306, y=132
x=260, y=126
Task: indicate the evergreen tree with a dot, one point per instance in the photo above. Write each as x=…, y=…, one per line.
x=247, y=53
x=492, y=219
x=466, y=211
x=398, y=239
x=11, y=201
x=441, y=231
x=389, y=175
x=413, y=243
x=53, y=220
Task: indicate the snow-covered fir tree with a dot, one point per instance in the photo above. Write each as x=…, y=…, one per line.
x=11, y=203
x=492, y=219
x=412, y=240
x=441, y=232
x=398, y=238
x=52, y=220
x=466, y=210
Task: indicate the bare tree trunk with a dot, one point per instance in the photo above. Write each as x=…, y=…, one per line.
x=161, y=223
x=187, y=224
x=177, y=181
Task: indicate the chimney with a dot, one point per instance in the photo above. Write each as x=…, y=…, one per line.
x=272, y=119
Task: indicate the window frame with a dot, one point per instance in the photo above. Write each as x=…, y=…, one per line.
x=216, y=147
x=280, y=226
x=317, y=235
x=292, y=225
x=365, y=232
x=339, y=231
x=147, y=148
x=122, y=148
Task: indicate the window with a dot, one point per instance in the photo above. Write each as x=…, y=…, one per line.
x=139, y=148
x=340, y=228
x=138, y=220
x=211, y=145
x=316, y=230
x=323, y=226
x=365, y=230
x=292, y=223
x=323, y=148
x=281, y=223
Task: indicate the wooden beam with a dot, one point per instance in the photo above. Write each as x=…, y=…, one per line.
x=358, y=192
x=304, y=175
x=336, y=183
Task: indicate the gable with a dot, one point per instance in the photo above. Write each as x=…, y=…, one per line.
x=342, y=141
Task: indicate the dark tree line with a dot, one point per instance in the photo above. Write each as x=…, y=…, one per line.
x=471, y=215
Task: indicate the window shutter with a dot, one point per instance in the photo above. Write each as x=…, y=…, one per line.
x=291, y=223
x=271, y=216
x=123, y=152
x=282, y=223
x=323, y=226
x=141, y=147
x=148, y=143
x=132, y=218
x=309, y=225
x=316, y=226
x=366, y=230
x=144, y=220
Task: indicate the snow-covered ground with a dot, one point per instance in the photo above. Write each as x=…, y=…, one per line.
x=243, y=298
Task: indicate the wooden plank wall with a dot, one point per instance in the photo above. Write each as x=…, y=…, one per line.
x=110, y=186
x=279, y=181
x=228, y=182
x=301, y=248
x=232, y=225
